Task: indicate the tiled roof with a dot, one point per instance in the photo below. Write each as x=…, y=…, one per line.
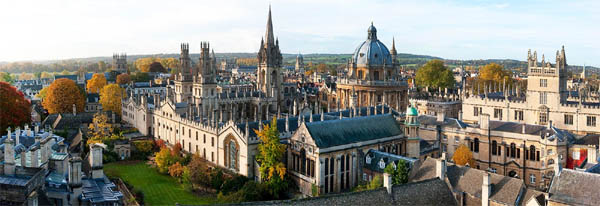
x=429, y=192
x=505, y=190
x=573, y=187
x=351, y=130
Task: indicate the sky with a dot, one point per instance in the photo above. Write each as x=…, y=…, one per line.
x=478, y=29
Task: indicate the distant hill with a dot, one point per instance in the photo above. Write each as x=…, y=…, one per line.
x=410, y=61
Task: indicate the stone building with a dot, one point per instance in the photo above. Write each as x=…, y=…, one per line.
x=432, y=103
x=328, y=154
x=119, y=63
x=512, y=149
x=545, y=99
x=373, y=76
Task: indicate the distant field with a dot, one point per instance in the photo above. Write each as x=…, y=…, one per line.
x=158, y=189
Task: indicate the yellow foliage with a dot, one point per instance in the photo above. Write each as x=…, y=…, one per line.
x=463, y=155
x=97, y=82
x=61, y=96
x=110, y=98
x=99, y=130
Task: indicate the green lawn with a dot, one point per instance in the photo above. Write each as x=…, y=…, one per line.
x=158, y=189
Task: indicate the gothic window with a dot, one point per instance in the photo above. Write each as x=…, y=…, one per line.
x=494, y=147
x=532, y=153
x=543, y=83
x=543, y=98
x=232, y=155
x=303, y=162
x=326, y=175
x=513, y=150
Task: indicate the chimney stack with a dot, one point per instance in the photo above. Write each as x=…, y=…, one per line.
x=17, y=136
x=387, y=182
x=486, y=190
x=557, y=166
x=440, y=168
x=441, y=116
x=37, y=129
x=74, y=110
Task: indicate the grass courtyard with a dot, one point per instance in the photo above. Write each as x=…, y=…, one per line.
x=158, y=189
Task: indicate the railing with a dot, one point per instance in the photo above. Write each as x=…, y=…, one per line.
x=128, y=198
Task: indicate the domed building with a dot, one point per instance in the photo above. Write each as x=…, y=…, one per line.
x=372, y=74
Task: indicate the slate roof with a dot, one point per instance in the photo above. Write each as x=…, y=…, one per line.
x=93, y=97
x=352, y=130
x=71, y=77
x=573, y=187
x=429, y=192
x=448, y=122
x=590, y=139
x=506, y=190
x=377, y=155
x=99, y=191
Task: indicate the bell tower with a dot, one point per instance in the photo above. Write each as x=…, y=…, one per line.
x=183, y=78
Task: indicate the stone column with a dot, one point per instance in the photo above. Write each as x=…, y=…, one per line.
x=338, y=171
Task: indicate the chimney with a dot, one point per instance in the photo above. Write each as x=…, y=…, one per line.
x=95, y=160
x=9, y=155
x=440, y=168
x=387, y=182
x=18, y=136
x=441, y=116
x=37, y=129
x=549, y=124
x=74, y=110
x=460, y=116
x=486, y=190
x=484, y=122
x=523, y=128
x=287, y=123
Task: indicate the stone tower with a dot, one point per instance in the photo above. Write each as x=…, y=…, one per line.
x=269, y=73
x=300, y=64
x=547, y=83
x=205, y=81
x=120, y=62
x=183, y=79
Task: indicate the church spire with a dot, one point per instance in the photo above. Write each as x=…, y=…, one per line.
x=270, y=39
x=393, y=46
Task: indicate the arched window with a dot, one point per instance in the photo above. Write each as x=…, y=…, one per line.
x=513, y=150
x=232, y=155
x=494, y=147
x=303, y=161
x=532, y=152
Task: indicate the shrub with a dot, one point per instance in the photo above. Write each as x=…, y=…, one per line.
x=216, y=178
x=176, y=170
x=251, y=191
x=234, y=184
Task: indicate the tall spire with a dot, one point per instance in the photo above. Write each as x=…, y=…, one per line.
x=393, y=46
x=269, y=34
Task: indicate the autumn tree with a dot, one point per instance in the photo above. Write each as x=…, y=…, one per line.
x=15, y=110
x=65, y=72
x=46, y=75
x=42, y=94
x=494, y=73
x=123, y=78
x=157, y=67
x=435, y=74
x=110, y=98
x=62, y=94
x=169, y=62
x=322, y=68
x=270, y=157
x=99, y=130
x=463, y=156
x=101, y=66
x=97, y=82
x=176, y=170
x=25, y=76
x=164, y=160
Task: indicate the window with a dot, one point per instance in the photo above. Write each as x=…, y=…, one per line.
x=543, y=117
x=532, y=153
x=568, y=119
x=543, y=98
x=212, y=141
x=532, y=179
x=494, y=147
x=232, y=155
x=591, y=121
x=519, y=115
x=204, y=138
x=513, y=150
x=476, y=111
x=498, y=114
x=543, y=83
x=476, y=150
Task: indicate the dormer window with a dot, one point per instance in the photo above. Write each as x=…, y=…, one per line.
x=381, y=164
x=368, y=159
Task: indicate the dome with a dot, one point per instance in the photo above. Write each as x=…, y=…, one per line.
x=372, y=52
x=411, y=111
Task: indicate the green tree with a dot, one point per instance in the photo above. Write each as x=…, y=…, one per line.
x=435, y=74
x=101, y=66
x=6, y=77
x=399, y=173
x=270, y=156
x=37, y=75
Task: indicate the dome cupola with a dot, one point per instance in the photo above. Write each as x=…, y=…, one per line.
x=372, y=52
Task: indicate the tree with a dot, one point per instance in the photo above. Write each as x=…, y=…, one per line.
x=46, y=75
x=25, y=76
x=140, y=77
x=62, y=94
x=157, y=67
x=65, y=72
x=42, y=93
x=463, y=156
x=322, y=68
x=99, y=130
x=434, y=74
x=110, y=98
x=198, y=171
x=176, y=170
x=37, y=75
x=101, y=66
x=494, y=73
x=399, y=173
x=6, y=77
x=15, y=110
x=123, y=78
x=169, y=62
x=163, y=160
x=97, y=82
x=270, y=156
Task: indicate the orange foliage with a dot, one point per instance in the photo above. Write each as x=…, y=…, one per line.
x=176, y=170
x=123, y=78
x=463, y=156
x=61, y=96
x=15, y=110
x=97, y=82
